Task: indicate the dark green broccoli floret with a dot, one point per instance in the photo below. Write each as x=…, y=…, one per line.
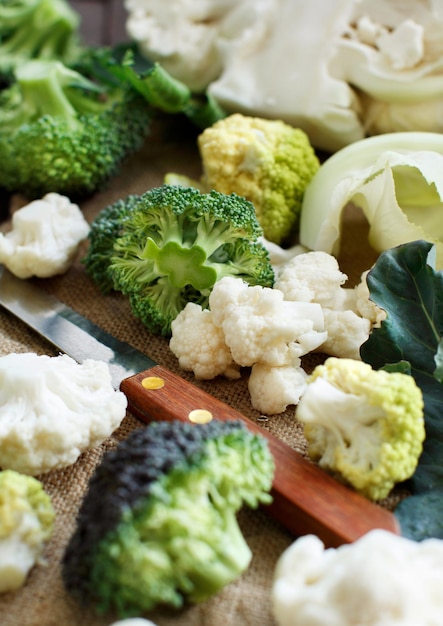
x=171, y=247
x=61, y=132
x=158, y=523
x=36, y=29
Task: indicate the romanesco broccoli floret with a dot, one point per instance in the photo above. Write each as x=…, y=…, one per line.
x=62, y=132
x=267, y=161
x=158, y=524
x=364, y=425
x=26, y=523
x=37, y=29
x=171, y=246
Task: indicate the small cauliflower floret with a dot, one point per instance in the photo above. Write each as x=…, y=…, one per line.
x=26, y=523
x=52, y=409
x=44, y=238
x=382, y=579
x=259, y=326
x=348, y=313
x=134, y=621
x=267, y=161
x=273, y=389
x=200, y=345
x=364, y=425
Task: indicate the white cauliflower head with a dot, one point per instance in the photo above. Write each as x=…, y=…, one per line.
x=44, y=238
x=382, y=579
x=259, y=326
x=273, y=389
x=52, y=409
x=199, y=344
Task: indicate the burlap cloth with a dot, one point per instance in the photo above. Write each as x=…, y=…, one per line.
x=43, y=600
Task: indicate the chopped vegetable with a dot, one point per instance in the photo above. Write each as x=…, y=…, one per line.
x=396, y=179
x=364, y=425
x=382, y=578
x=158, y=523
x=267, y=161
x=61, y=132
x=52, y=409
x=171, y=245
x=26, y=524
x=44, y=237
x=37, y=29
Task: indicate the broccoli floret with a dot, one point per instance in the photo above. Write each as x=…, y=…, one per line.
x=171, y=246
x=267, y=161
x=365, y=425
x=26, y=523
x=36, y=29
x=158, y=523
x=61, y=132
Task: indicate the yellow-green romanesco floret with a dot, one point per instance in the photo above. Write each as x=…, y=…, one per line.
x=268, y=162
x=26, y=523
x=365, y=425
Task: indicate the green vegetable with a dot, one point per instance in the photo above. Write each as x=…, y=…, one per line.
x=158, y=523
x=26, y=523
x=61, y=132
x=365, y=425
x=421, y=516
x=396, y=179
x=171, y=245
x=36, y=29
x=406, y=285
x=267, y=161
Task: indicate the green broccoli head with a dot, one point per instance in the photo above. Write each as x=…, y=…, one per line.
x=61, y=132
x=170, y=248
x=37, y=29
x=158, y=524
x=365, y=425
x=267, y=161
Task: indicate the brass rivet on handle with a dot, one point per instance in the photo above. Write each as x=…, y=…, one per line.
x=200, y=416
x=153, y=382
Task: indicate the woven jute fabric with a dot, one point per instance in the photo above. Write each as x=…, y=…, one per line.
x=43, y=601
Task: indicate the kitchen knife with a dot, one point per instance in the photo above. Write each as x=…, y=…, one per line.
x=305, y=498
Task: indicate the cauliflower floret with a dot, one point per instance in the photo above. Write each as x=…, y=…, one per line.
x=273, y=389
x=365, y=425
x=267, y=161
x=200, y=345
x=26, y=523
x=259, y=326
x=347, y=331
x=382, y=579
x=44, y=238
x=52, y=409
x=364, y=305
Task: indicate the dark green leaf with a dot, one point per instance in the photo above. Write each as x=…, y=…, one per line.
x=421, y=517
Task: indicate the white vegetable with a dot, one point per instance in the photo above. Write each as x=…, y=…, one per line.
x=396, y=179
x=273, y=389
x=44, y=238
x=134, y=621
x=348, y=314
x=367, y=66
x=52, y=409
x=381, y=579
x=259, y=326
x=200, y=345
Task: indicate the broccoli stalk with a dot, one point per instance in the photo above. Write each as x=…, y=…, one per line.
x=172, y=246
x=158, y=524
x=37, y=29
x=61, y=132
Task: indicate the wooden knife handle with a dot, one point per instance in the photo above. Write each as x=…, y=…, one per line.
x=305, y=498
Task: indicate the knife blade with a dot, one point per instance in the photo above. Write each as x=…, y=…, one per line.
x=305, y=498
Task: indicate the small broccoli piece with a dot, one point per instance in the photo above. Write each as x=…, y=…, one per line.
x=365, y=425
x=26, y=523
x=61, y=132
x=267, y=161
x=158, y=523
x=171, y=246
x=37, y=29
